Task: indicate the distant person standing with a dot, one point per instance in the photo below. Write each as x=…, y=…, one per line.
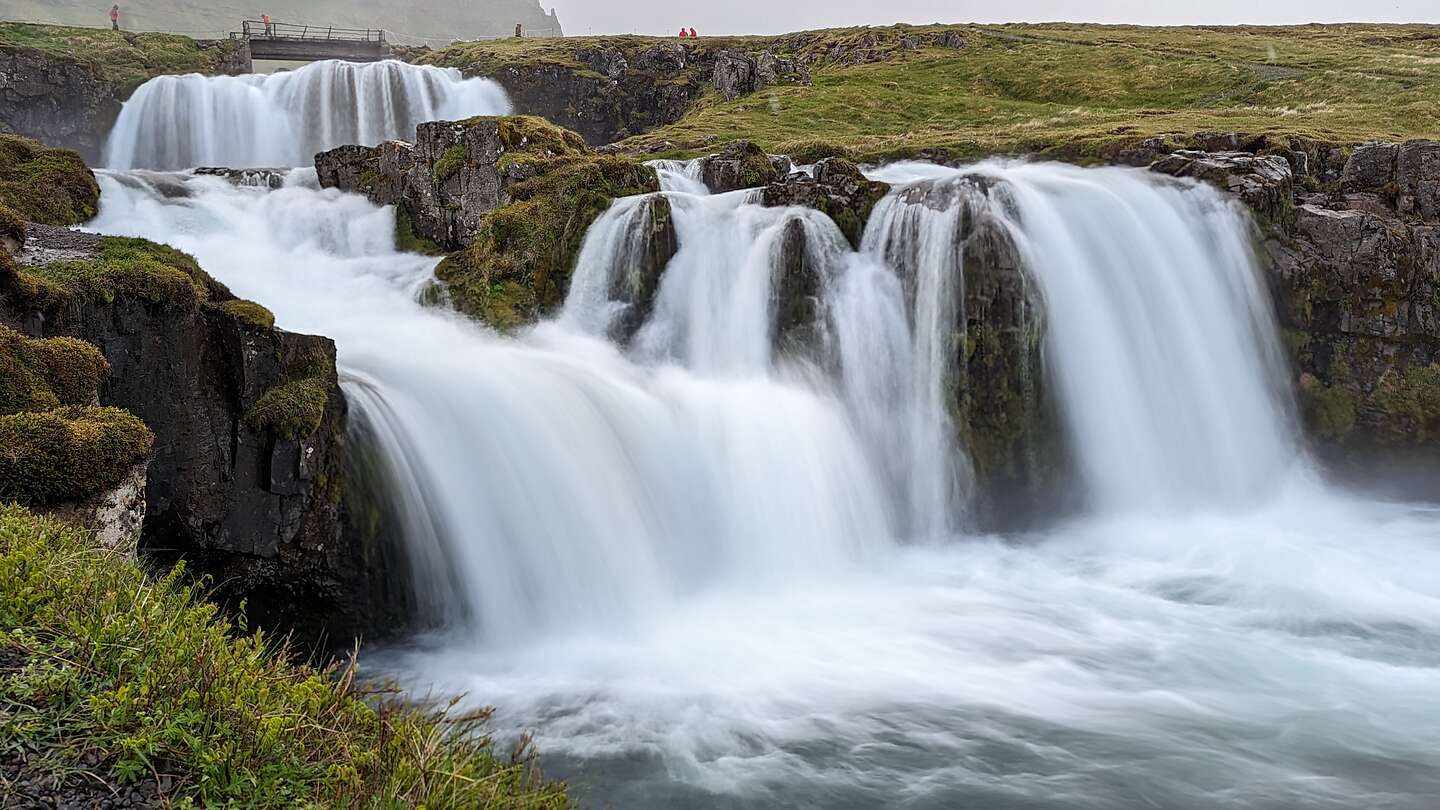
x=269, y=29
x=694, y=35
x=519, y=30
x=683, y=33
x=115, y=17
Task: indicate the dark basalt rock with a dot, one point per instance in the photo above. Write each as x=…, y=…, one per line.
x=639, y=286
x=837, y=188
x=258, y=512
x=58, y=100
x=740, y=164
x=1262, y=182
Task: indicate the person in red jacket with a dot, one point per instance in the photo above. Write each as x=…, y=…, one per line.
x=115, y=17
x=694, y=35
x=683, y=34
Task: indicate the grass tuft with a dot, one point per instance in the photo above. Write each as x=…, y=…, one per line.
x=40, y=184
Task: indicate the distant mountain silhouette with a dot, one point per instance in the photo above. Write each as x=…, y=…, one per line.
x=410, y=21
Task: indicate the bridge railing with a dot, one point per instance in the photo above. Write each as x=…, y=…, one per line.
x=258, y=29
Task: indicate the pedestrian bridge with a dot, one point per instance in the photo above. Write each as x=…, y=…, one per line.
x=311, y=43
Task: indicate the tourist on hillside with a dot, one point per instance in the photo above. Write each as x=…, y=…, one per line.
x=115, y=17
x=683, y=34
x=694, y=35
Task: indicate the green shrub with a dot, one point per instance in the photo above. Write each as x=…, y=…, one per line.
x=250, y=312
x=69, y=453
x=142, y=675
x=50, y=186
x=45, y=374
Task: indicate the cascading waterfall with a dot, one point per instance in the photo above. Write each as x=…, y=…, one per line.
x=283, y=119
x=689, y=561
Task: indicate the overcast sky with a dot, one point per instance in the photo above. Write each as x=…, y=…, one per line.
x=778, y=16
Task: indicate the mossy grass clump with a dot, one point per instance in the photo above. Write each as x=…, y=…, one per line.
x=69, y=453
x=127, y=675
x=519, y=264
x=12, y=226
x=1331, y=409
x=49, y=186
x=250, y=313
x=533, y=134
x=451, y=162
x=294, y=408
x=805, y=151
x=156, y=274
x=46, y=374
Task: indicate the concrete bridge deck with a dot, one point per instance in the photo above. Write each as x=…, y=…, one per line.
x=308, y=43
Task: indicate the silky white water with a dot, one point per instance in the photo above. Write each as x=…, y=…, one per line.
x=283, y=119
x=708, y=573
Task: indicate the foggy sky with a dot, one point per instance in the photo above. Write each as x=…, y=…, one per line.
x=778, y=16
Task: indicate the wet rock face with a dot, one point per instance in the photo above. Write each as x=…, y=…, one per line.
x=115, y=516
x=447, y=180
x=259, y=512
x=638, y=287
x=837, y=188
x=56, y=100
x=1353, y=255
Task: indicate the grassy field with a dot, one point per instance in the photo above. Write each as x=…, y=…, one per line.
x=123, y=57
x=1018, y=88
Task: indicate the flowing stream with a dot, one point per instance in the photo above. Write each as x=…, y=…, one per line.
x=709, y=571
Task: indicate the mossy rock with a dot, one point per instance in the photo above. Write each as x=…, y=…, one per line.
x=295, y=407
x=449, y=163
x=528, y=133
x=250, y=313
x=1408, y=404
x=154, y=273
x=1329, y=410
x=12, y=226
x=69, y=453
x=49, y=186
x=807, y=151
x=49, y=373
x=407, y=241
x=518, y=266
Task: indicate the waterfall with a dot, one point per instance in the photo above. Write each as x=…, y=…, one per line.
x=283, y=119
x=722, y=562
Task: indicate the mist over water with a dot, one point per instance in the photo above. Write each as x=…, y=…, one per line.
x=282, y=119
x=713, y=573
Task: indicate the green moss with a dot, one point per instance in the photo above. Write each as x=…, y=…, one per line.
x=406, y=240
x=153, y=273
x=294, y=409
x=12, y=226
x=809, y=150
x=69, y=453
x=370, y=179
x=124, y=57
x=50, y=186
x=45, y=374
x=1409, y=404
x=128, y=674
x=250, y=312
x=531, y=134
x=449, y=163
x=519, y=264
x=1331, y=409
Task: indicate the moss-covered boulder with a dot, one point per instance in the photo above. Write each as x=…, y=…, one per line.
x=741, y=164
x=837, y=188
x=40, y=184
x=46, y=374
x=513, y=196
x=66, y=454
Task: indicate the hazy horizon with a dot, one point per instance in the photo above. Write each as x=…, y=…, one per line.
x=762, y=17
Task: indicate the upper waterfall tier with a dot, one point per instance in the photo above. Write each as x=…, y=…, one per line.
x=283, y=119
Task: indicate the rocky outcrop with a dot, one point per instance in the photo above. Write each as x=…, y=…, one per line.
x=737, y=73
x=249, y=456
x=1353, y=246
x=835, y=187
x=512, y=196
x=741, y=164
x=56, y=99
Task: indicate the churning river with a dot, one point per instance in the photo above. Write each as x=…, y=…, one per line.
x=707, y=574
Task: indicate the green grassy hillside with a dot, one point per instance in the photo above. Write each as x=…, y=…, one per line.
x=1028, y=87
x=122, y=57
